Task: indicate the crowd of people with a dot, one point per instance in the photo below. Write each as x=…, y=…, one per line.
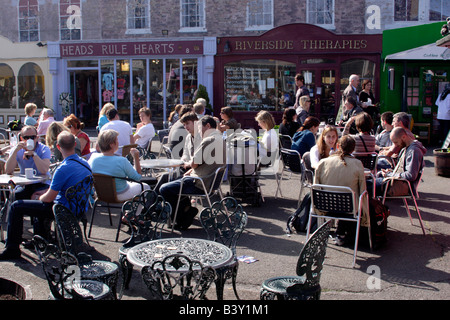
x=193, y=131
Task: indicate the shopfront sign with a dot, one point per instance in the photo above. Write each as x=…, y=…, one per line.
x=121, y=49
x=298, y=39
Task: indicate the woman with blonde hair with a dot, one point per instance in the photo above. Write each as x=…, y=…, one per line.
x=103, y=119
x=30, y=110
x=75, y=126
x=325, y=145
x=53, y=130
x=268, y=144
x=303, y=109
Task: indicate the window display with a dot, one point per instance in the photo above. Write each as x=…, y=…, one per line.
x=259, y=85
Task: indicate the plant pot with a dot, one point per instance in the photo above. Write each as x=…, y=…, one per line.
x=11, y=290
x=442, y=162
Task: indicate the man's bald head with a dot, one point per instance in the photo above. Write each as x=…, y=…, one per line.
x=66, y=141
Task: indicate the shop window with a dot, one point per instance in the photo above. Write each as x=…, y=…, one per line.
x=156, y=88
x=172, y=83
x=28, y=20
x=7, y=87
x=189, y=80
x=138, y=16
x=70, y=20
x=413, y=89
x=107, y=81
x=260, y=85
x=364, y=68
x=259, y=14
x=123, y=89
x=139, y=74
x=321, y=13
x=439, y=10
x=31, y=85
x=406, y=10
x=192, y=15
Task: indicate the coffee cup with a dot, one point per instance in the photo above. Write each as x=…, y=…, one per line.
x=30, y=173
x=30, y=144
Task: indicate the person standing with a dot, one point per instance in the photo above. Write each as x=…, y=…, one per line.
x=301, y=91
x=443, y=116
x=72, y=170
x=351, y=90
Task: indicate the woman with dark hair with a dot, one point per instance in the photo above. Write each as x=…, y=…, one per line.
x=289, y=125
x=342, y=169
x=305, y=139
x=351, y=109
x=366, y=95
x=365, y=142
x=228, y=120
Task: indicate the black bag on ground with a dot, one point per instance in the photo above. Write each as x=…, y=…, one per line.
x=186, y=213
x=379, y=214
x=299, y=219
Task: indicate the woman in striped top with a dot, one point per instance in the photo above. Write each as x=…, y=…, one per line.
x=365, y=142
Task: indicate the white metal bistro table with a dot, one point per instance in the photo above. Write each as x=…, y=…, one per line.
x=170, y=164
x=8, y=182
x=209, y=253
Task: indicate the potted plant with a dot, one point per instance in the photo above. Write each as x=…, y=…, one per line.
x=442, y=161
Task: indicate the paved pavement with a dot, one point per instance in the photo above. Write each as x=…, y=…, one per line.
x=410, y=266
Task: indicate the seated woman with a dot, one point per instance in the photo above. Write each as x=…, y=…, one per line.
x=228, y=120
x=342, y=169
x=145, y=129
x=103, y=119
x=326, y=145
x=365, y=142
x=305, y=139
x=75, y=126
x=30, y=110
x=112, y=165
x=289, y=125
x=53, y=130
x=268, y=145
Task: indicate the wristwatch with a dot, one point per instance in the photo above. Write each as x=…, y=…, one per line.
x=34, y=154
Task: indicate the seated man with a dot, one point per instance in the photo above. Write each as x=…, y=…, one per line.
x=208, y=157
x=410, y=160
x=45, y=120
x=72, y=170
x=38, y=158
x=122, y=127
x=383, y=140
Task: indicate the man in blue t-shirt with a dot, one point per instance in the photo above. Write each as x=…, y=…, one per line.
x=72, y=170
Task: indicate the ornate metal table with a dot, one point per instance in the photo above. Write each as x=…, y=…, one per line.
x=209, y=253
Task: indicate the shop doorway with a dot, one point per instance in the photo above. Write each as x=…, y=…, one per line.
x=84, y=90
x=321, y=83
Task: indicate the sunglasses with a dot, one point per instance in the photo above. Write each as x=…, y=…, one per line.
x=29, y=137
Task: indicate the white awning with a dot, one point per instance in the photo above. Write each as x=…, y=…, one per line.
x=427, y=52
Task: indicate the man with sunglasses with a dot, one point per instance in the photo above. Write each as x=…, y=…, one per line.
x=38, y=158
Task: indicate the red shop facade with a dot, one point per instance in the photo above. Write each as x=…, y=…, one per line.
x=257, y=73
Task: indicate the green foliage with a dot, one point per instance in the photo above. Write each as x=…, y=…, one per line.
x=202, y=93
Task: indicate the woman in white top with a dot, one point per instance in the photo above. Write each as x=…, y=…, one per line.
x=145, y=129
x=325, y=145
x=268, y=145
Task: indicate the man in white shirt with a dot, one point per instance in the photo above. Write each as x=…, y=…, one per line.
x=45, y=121
x=123, y=128
x=145, y=129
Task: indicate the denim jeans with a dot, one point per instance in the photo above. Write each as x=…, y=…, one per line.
x=170, y=190
x=20, y=208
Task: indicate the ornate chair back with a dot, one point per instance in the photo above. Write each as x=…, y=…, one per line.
x=224, y=222
x=62, y=273
x=312, y=256
x=178, y=277
x=70, y=236
x=147, y=216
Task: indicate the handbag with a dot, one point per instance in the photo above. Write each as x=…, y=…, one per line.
x=396, y=187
